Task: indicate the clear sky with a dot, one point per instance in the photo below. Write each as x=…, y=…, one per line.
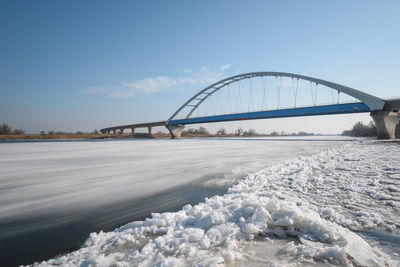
x=85, y=65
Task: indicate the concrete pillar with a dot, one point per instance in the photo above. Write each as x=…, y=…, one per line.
x=121, y=131
x=133, y=131
x=175, y=130
x=386, y=122
x=150, y=130
x=114, y=131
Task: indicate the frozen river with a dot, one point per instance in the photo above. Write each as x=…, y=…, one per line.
x=53, y=194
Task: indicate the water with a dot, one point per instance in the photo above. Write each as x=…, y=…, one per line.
x=53, y=194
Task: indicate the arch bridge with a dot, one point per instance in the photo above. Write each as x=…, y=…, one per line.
x=265, y=95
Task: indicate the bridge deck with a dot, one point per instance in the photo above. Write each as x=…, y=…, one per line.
x=357, y=107
x=134, y=126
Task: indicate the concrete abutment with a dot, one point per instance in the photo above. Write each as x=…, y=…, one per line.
x=175, y=130
x=386, y=123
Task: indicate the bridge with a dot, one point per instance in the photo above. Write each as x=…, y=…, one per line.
x=275, y=95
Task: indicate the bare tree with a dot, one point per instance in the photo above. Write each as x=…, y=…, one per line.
x=221, y=131
x=250, y=132
x=5, y=129
x=274, y=133
x=18, y=131
x=239, y=131
x=360, y=129
x=202, y=130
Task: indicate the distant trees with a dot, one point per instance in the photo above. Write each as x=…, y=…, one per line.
x=221, y=131
x=239, y=131
x=302, y=133
x=361, y=130
x=200, y=130
x=250, y=132
x=6, y=129
x=18, y=131
x=274, y=133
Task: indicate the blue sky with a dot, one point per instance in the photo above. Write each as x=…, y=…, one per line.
x=84, y=65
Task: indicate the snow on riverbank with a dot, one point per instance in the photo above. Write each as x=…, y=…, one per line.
x=298, y=212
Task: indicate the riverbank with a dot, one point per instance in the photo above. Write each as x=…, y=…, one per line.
x=76, y=136
x=84, y=136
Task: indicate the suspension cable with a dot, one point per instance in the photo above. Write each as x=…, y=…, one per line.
x=295, y=90
x=216, y=103
x=238, y=98
x=278, y=86
x=227, y=97
x=250, y=96
x=312, y=92
x=206, y=109
x=264, y=87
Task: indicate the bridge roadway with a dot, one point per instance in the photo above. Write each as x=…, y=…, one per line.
x=120, y=129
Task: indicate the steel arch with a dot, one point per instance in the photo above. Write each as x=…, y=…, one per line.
x=373, y=102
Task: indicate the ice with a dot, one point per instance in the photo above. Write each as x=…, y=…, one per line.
x=307, y=211
x=64, y=181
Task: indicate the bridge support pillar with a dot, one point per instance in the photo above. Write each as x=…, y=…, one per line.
x=150, y=130
x=133, y=131
x=121, y=131
x=386, y=122
x=175, y=130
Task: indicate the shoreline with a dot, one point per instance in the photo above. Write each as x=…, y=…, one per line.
x=33, y=137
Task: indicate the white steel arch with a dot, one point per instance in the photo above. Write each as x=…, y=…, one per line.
x=373, y=102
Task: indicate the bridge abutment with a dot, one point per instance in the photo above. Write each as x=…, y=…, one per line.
x=386, y=122
x=175, y=130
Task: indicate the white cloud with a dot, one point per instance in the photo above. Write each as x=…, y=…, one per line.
x=121, y=93
x=225, y=67
x=205, y=76
x=152, y=84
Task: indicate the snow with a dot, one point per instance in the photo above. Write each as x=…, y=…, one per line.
x=307, y=211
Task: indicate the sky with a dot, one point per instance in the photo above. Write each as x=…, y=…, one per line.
x=86, y=65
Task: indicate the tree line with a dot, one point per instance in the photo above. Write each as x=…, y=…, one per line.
x=241, y=132
x=366, y=130
x=362, y=130
x=6, y=129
